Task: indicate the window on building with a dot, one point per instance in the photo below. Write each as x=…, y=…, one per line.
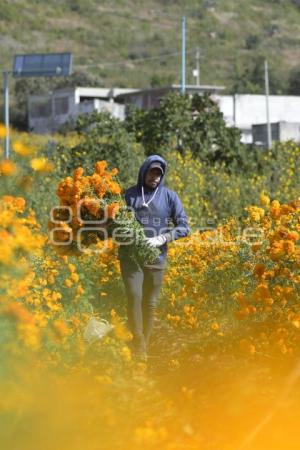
x=41, y=108
x=61, y=105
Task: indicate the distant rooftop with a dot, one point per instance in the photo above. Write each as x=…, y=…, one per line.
x=176, y=87
x=97, y=92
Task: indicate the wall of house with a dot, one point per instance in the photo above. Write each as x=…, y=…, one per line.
x=243, y=111
x=47, y=113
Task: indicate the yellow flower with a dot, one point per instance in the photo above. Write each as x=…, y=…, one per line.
x=2, y=131
x=126, y=353
x=74, y=277
x=264, y=200
x=71, y=267
x=21, y=149
x=79, y=290
x=41, y=165
x=256, y=213
x=68, y=282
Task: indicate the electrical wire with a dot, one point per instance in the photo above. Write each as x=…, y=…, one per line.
x=134, y=61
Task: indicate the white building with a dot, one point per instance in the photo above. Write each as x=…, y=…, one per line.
x=243, y=111
x=46, y=113
x=280, y=131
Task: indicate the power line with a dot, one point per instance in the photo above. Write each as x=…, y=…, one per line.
x=158, y=14
x=134, y=61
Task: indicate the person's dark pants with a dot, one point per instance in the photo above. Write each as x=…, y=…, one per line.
x=142, y=285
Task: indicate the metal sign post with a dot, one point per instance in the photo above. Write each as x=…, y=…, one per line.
x=6, y=112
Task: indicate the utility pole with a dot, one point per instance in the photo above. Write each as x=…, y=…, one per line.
x=6, y=112
x=269, y=133
x=183, y=51
x=197, y=66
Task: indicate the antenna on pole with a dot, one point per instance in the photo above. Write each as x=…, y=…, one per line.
x=183, y=51
x=269, y=134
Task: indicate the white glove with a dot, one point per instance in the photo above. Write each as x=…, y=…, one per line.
x=157, y=241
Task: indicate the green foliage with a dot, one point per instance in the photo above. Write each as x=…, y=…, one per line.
x=250, y=77
x=158, y=129
x=187, y=123
x=103, y=137
x=9, y=11
x=294, y=81
x=158, y=80
x=131, y=233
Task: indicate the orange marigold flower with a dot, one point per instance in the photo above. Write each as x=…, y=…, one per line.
x=18, y=203
x=275, y=209
x=61, y=328
x=112, y=210
x=100, y=167
x=259, y=270
x=78, y=172
x=293, y=235
x=289, y=247
x=18, y=312
x=114, y=188
x=7, y=168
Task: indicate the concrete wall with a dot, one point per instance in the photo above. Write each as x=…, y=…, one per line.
x=289, y=131
x=243, y=111
x=62, y=106
x=280, y=131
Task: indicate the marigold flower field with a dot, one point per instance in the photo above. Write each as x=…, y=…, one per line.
x=224, y=372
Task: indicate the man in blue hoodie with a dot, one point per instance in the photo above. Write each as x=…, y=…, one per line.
x=156, y=208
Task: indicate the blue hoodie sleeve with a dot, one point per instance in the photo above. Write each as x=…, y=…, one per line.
x=127, y=199
x=179, y=218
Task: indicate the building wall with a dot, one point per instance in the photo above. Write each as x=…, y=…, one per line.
x=243, y=111
x=47, y=113
x=280, y=131
x=289, y=131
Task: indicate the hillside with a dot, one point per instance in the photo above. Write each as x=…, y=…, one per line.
x=123, y=42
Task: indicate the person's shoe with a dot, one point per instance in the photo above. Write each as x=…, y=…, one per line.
x=139, y=350
x=141, y=356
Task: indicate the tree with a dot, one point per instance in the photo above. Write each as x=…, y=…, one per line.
x=294, y=81
x=250, y=78
x=187, y=123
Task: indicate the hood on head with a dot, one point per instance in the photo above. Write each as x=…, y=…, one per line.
x=145, y=166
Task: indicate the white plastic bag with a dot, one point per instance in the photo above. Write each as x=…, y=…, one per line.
x=96, y=329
